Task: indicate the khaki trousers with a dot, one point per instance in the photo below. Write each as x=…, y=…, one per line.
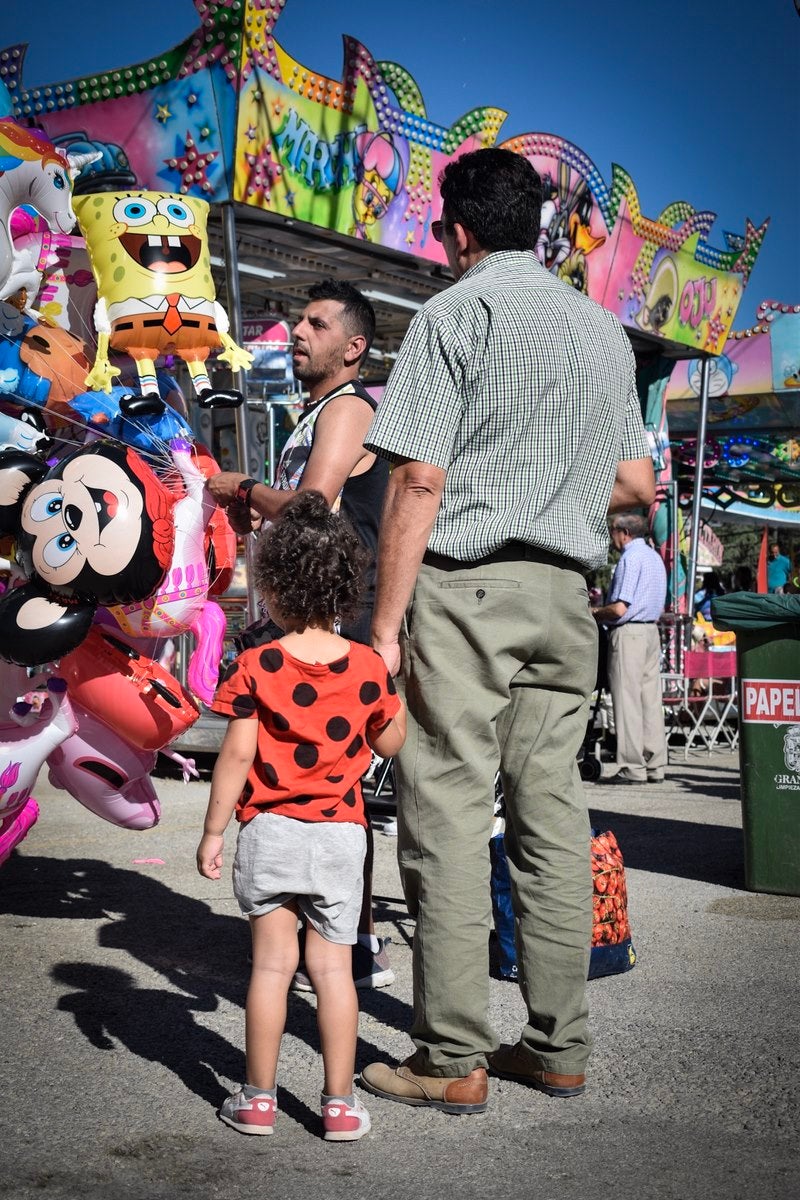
x=500, y=659
x=634, y=680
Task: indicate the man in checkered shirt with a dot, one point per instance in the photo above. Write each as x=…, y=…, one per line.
x=513, y=423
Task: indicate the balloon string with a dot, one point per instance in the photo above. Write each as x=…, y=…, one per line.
x=160, y=456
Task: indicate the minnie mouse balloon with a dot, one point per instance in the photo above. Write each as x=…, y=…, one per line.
x=95, y=529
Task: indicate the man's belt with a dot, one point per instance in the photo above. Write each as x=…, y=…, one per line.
x=510, y=552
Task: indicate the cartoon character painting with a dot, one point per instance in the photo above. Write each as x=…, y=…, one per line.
x=661, y=300
x=150, y=258
x=565, y=238
x=380, y=178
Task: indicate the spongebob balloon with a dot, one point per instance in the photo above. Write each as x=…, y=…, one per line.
x=150, y=257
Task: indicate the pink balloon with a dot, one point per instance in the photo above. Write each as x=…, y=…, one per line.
x=33, y=733
x=181, y=602
x=106, y=774
x=15, y=827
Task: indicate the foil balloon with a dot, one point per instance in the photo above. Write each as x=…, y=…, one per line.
x=38, y=723
x=40, y=364
x=16, y=827
x=134, y=695
x=117, y=414
x=150, y=258
x=221, y=547
x=26, y=432
x=35, y=173
x=96, y=528
x=106, y=774
x=182, y=602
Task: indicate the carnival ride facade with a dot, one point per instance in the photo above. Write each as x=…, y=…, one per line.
x=305, y=176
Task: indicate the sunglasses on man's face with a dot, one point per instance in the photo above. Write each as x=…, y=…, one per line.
x=438, y=230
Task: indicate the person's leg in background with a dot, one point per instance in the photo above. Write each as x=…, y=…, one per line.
x=626, y=665
x=371, y=968
x=654, y=740
x=503, y=909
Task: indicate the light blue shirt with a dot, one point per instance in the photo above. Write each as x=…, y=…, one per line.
x=640, y=580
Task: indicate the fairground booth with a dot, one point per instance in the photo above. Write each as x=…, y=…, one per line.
x=309, y=177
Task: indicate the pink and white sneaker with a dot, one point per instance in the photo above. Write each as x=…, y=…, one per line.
x=344, y=1121
x=256, y=1115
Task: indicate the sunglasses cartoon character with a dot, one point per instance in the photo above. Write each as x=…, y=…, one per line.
x=95, y=529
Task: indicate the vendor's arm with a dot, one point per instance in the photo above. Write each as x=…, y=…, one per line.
x=610, y=613
x=412, y=502
x=337, y=453
x=634, y=485
x=230, y=775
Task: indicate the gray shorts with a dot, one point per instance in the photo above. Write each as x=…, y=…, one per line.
x=319, y=865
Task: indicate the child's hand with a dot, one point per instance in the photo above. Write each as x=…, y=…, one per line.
x=209, y=855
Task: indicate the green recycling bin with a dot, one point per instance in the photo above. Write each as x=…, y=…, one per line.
x=767, y=629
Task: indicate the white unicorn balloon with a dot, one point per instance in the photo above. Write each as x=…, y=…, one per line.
x=33, y=172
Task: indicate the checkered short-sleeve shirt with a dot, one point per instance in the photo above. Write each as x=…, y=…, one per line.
x=524, y=391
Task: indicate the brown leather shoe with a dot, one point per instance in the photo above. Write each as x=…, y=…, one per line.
x=468, y=1094
x=513, y=1062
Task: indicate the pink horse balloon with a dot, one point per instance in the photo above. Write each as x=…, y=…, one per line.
x=182, y=602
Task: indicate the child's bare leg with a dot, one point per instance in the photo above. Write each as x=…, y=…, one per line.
x=330, y=970
x=275, y=959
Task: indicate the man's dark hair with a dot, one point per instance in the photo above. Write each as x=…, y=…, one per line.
x=497, y=195
x=359, y=315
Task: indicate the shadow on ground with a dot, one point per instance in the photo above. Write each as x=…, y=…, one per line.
x=202, y=955
x=709, y=853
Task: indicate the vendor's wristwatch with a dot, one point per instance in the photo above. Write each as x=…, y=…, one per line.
x=243, y=491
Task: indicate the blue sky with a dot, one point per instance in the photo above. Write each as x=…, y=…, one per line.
x=698, y=101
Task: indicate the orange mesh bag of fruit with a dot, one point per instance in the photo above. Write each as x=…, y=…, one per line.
x=612, y=948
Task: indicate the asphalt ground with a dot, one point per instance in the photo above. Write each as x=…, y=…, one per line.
x=123, y=983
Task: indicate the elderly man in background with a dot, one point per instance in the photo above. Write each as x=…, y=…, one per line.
x=633, y=606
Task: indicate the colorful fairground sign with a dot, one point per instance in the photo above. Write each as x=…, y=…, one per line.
x=230, y=114
x=751, y=457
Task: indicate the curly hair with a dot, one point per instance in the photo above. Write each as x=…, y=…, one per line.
x=311, y=561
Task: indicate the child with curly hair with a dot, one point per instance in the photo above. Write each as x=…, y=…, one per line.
x=304, y=711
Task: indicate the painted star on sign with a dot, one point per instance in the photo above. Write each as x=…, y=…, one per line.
x=162, y=113
x=192, y=166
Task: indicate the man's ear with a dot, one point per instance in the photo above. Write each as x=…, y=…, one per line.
x=356, y=346
x=463, y=238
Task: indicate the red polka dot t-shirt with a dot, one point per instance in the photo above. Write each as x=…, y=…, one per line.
x=313, y=719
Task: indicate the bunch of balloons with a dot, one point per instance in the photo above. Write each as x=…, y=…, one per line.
x=113, y=544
